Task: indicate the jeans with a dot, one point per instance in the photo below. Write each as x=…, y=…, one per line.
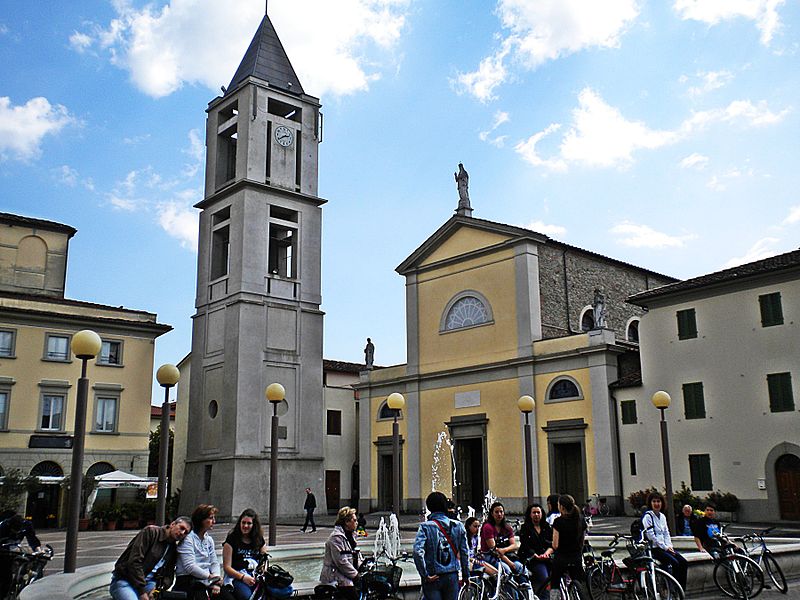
x=540, y=571
x=310, y=519
x=674, y=563
x=242, y=591
x=120, y=589
x=444, y=588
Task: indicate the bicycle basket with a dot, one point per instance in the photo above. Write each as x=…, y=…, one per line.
x=384, y=579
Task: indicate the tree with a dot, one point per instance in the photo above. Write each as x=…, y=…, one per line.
x=13, y=486
x=155, y=451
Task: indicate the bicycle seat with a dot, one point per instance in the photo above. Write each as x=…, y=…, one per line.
x=608, y=553
x=324, y=590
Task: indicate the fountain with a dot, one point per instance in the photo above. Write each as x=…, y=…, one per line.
x=488, y=499
x=443, y=479
x=387, y=538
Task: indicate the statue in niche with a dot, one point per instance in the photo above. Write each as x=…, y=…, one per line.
x=462, y=182
x=369, y=353
x=599, y=309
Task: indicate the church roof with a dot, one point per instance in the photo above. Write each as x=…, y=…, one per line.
x=267, y=60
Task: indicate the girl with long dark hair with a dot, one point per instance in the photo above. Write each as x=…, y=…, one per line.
x=536, y=544
x=569, y=531
x=497, y=539
x=241, y=552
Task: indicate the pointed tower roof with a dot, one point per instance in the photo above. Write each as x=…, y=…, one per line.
x=266, y=59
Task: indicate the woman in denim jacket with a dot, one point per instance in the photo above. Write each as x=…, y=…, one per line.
x=438, y=558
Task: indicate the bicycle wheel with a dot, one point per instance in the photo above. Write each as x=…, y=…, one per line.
x=739, y=576
x=574, y=591
x=19, y=579
x=471, y=591
x=773, y=570
x=667, y=587
x=597, y=583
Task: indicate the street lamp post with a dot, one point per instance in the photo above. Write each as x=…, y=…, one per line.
x=396, y=402
x=526, y=405
x=275, y=394
x=86, y=345
x=661, y=401
x=167, y=376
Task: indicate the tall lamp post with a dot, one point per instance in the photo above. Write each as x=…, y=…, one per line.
x=661, y=401
x=86, y=345
x=526, y=405
x=167, y=376
x=275, y=394
x=396, y=402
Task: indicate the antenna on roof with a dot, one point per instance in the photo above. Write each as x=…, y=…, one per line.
x=266, y=6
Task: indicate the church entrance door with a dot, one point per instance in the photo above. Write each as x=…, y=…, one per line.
x=469, y=476
x=787, y=476
x=568, y=476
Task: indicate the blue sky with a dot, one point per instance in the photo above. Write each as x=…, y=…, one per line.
x=659, y=133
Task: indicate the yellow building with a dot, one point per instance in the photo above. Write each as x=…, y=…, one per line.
x=494, y=312
x=38, y=374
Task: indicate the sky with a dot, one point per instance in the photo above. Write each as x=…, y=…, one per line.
x=664, y=134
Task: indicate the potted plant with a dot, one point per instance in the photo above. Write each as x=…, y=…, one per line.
x=130, y=515
x=148, y=513
x=98, y=516
x=111, y=517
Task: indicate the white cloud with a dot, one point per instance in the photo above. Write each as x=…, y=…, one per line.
x=719, y=183
x=180, y=220
x=67, y=175
x=80, y=42
x=23, y=127
x=709, y=81
x=694, y=161
x=196, y=152
x=763, y=248
x=538, y=31
x=793, y=217
x=3, y=29
x=643, y=236
x=500, y=117
x=601, y=136
x=136, y=139
x=547, y=229
x=331, y=48
x=712, y=12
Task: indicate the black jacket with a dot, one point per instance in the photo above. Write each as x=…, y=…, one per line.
x=143, y=553
x=311, y=502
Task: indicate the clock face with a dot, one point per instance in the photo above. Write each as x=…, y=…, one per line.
x=284, y=135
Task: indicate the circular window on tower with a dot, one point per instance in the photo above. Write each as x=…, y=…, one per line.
x=467, y=309
x=213, y=409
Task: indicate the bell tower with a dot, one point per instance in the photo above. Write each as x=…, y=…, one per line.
x=257, y=318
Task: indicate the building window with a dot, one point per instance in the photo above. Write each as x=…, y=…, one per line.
x=632, y=457
x=7, y=339
x=386, y=413
x=633, y=331
x=587, y=319
x=694, y=404
x=52, y=412
x=687, y=324
x=771, y=309
x=106, y=415
x=56, y=347
x=467, y=309
x=282, y=251
x=4, y=410
x=628, y=412
x=700, y=471
x=110, y=353
x=563, y=389
x=334, y=422
x=781, y=398
x=220, y=251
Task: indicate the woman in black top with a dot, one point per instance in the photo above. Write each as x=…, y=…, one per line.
x=241, y=552
x=569, y=531
x=536, y=544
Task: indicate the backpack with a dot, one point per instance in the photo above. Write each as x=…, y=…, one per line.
x=637, y=527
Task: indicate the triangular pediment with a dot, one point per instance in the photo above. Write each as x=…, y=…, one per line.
x=464, y=236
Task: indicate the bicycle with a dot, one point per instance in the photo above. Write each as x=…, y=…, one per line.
x=643, y=579
x=596, y=506
x=272, y=581
x=568, y=588
x=377, y=580
x=754, y=545
x=735, y=574
x=26, y=567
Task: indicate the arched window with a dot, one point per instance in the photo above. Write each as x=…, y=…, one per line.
x=47, y=468
x=563, y=389
x=632, y=333
x=467, y=309
x=386, y=413
x=587, y=319
x=32, y=253
x=99, y=468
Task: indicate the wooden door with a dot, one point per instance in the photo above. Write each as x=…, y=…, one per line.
x=787, y=476
x=333, y=490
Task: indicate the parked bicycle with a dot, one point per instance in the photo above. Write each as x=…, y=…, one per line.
x=642, y=579
x=272, y=581
x=503, y=586
x=756, y=548
x=378, y=579
x=735, y=574
x=26, y=567
x=568, y=588
x=596, y=506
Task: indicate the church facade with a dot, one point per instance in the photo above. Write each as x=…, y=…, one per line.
x=494, y=312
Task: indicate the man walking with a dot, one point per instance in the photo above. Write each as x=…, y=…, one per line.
x=149, y=561
x=309, y=506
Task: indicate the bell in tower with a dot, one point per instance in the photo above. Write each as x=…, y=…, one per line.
x=257, y=318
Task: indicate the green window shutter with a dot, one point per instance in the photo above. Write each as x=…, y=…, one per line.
x=687, y=324
x=700, y=471
x=771, y=309
x=781, y=398
x=628, y=412
x=694, y=403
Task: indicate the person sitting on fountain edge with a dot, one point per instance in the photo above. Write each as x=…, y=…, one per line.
x=440, y=549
